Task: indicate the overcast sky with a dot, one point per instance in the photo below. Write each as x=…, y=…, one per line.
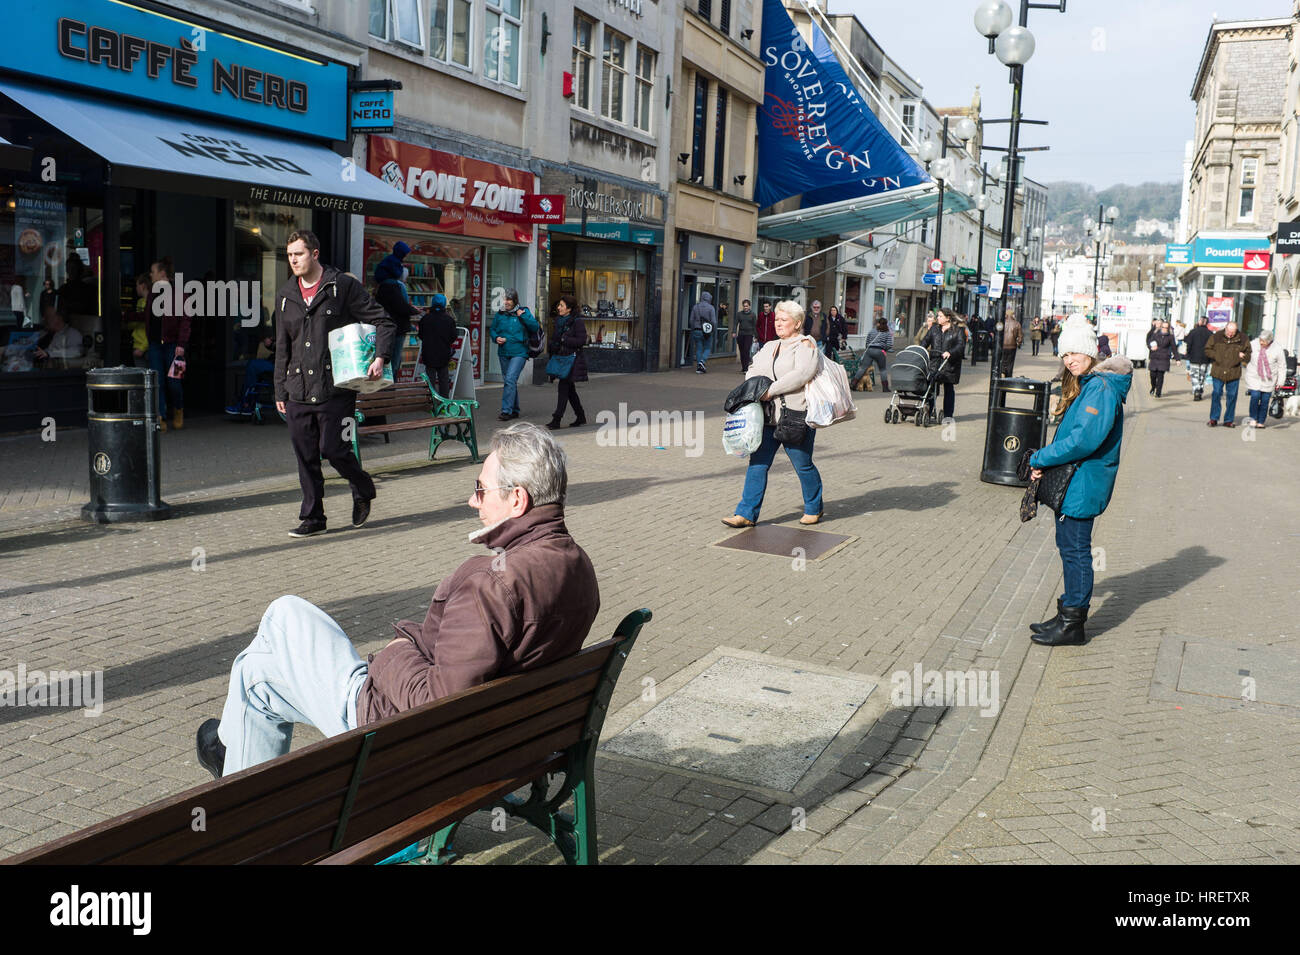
x=1113, y=77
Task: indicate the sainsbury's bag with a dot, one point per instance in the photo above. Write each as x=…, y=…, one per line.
x=352, y=350
x=828, y=396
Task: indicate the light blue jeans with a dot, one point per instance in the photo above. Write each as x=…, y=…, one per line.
x=511, y=369
x=300, y=668
x=810, y=480
x=702, y=345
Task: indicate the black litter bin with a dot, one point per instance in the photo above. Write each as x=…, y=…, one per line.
x=981, y=347
x=1017, y=423
x=122, y=426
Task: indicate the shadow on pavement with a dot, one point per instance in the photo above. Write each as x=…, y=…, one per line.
x=1126, y=593
x=906, y=498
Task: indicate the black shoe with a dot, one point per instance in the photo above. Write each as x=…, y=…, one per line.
x=553, y=424
x=360, y=511
x=503, y=417
x=211, y=751
x=577, y=422
x=308, y=529
x=513, y=415
x=1069, y=632
x=1048, y=624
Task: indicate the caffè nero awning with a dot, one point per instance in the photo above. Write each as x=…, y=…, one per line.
x=865, y=214
x=149, y=149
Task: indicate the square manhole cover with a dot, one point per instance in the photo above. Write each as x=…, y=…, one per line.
x=782, y=541
x=753, y=721
x=1228, y=675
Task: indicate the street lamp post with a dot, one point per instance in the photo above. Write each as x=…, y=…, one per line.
x=942, y=169
x=1101, y=230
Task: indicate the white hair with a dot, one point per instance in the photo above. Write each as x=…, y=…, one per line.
x=792, y=309
x=529, y=457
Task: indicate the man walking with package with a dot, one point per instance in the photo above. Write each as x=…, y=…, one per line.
x=316, y=300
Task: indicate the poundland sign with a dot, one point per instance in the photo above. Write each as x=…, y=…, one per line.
x=1226, y=253
x=119, y=48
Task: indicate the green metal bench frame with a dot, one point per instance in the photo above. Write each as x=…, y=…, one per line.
x=573, y=834
x=440, y=407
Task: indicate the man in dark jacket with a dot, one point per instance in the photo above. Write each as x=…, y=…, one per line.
x=745, y=319
x=1228, y=351
x=703, y=321
x=437, y=335
x=528, y=603
x=1198, y=365
x=390, y=292
x=766, y=325
x=1012, y=337
x=316, y=300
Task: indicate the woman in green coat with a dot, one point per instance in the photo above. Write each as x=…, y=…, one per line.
x=510, y=329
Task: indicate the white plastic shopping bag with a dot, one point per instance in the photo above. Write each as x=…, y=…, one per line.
x=742, y=432
x=828, y=396
x=352, y=350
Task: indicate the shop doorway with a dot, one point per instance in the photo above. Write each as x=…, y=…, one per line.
x=722, y=289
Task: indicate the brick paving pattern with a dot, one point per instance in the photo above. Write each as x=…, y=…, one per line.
x=941, y=573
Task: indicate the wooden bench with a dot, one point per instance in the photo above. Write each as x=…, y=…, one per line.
x=451, y=419
x=362, y=796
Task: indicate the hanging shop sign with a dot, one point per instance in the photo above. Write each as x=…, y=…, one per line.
x=128, y=50
x=1176, y=254
x=476, y=198
x=1256, y=261
x=1288, y=238
x=371, y=111
x=546, y=209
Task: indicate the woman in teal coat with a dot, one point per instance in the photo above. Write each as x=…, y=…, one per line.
x=510, y=329
x=1091, y=428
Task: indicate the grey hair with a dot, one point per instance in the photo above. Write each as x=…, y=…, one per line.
x=791, y=308
x=528, y=457
x=511, y=295
x=1266, y=337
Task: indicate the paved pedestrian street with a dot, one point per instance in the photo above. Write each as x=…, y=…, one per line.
x=1170, y=738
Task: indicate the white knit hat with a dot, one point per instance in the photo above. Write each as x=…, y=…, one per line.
x=1078, y=336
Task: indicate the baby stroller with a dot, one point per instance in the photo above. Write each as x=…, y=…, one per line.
x=1285, y=390
x=913, y=387
x=257, y=402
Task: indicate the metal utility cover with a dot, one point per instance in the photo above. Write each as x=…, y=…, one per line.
x=781, y=541
x=752, y=721
x=1227, y=675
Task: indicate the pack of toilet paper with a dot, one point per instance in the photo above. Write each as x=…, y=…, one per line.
x=352, y=349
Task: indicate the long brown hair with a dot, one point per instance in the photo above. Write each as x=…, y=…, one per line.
x=1071, y=386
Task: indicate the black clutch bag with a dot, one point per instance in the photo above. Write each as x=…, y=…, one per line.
x=1050, y=489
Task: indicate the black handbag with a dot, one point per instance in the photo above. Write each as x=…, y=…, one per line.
x=791, y=426
x=1050, y=489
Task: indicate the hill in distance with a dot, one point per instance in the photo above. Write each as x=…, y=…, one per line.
x=1069, y=203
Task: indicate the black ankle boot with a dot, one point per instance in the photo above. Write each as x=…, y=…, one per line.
x=1048, y=624
x=553, y=423
x=210, y=750
x=1069, y=632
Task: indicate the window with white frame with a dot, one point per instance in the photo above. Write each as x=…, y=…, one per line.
x=584, y=33
x=502, y=24
x=909, y=117
x=449, y=31
x=397, y=20
x=613, y=79
x=1249, y=177
x=645, y=82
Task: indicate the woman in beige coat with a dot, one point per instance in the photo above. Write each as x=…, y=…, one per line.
x=791, y=361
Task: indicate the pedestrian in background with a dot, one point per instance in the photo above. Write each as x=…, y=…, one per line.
x=437, y=336
x=837, y=332
x=1161, y=350
x=791, y=362
x=1036, y=334
x=169, y=336
x=812, y=322
x=947, y=347
x=390, y=292
x=925, y=328
x=766, y=327
x=745, y=334
x=1054, y=333
x=510, y=329
x=1198, y=363
x=1089, y=435
x=703, y=320
x=569, y=338
x=1228, y=351
x=880, y=341
x=1262, y=374
x=1012, y=338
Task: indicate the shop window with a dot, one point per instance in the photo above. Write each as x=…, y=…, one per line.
x=720, y=138
x=608, y=285
x=645, y=81
x=697, y=137
x=261, y=237
x=502, y=26
x=449, y=31
x=583, y=57
x=613, y=82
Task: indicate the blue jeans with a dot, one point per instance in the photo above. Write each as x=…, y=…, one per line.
x=170, y=390
x=300, y=668
x=511, y=368
x=1259, y=401
x=702, y=345
x=810, y=480
x=1230, y=409
x=1074, y=541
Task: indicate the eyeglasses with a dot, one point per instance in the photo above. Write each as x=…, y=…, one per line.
x=479, y=489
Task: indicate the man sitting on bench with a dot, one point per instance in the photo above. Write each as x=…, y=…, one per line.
x=529, y=603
